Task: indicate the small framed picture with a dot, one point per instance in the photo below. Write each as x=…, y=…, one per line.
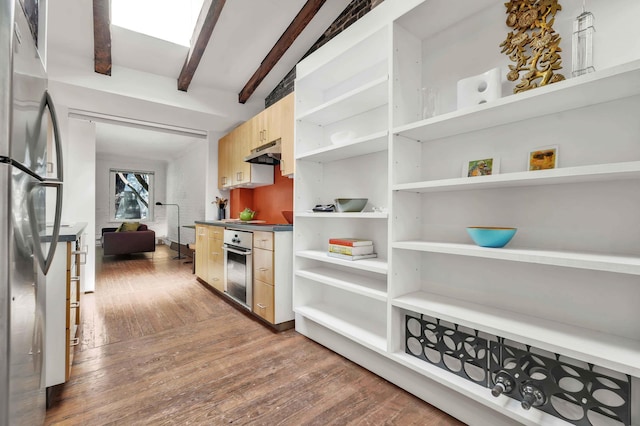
x=481, y=167
x=543, y=158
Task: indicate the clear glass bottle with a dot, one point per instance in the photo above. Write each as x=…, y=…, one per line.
x=582, y=44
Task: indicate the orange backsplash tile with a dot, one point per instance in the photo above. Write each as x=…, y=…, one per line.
x=267, y=201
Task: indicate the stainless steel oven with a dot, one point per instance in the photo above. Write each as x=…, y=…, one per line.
x=238, y=266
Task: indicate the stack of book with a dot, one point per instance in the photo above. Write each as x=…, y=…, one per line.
x=351, y=248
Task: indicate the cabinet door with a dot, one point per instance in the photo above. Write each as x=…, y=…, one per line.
x=224, y=161
x=241, y=170
x=215, y=258
x=285, y=124
x=263, y=240
x=263, y=300
x=202, y=248
x=263, y=265
x=259, y=131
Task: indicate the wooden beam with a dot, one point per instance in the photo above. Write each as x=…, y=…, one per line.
x=102, y=37
x=287, y=38
x=207, y=20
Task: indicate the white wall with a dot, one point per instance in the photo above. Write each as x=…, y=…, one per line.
x=106, y=162
x=79, y=152
x=186, y=186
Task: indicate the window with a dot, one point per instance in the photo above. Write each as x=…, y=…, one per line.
x=131, y=195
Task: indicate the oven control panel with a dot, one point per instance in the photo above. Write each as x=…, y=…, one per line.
x=236, y=238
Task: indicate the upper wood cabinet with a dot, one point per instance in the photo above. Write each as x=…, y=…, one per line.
x=281, y=120
x=233, y=171
x=273, y=123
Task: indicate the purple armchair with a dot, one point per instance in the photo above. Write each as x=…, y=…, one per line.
x=128, y=242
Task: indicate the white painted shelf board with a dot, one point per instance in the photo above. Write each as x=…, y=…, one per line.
x=614, y=352
x=358, y=328
x=503, y=404
x=354, y=283
x=589, y=89
x=591, y=173
x=375, y=264
x=591, y=261
x=345, y=215
x=360, y=146
x=357, y=101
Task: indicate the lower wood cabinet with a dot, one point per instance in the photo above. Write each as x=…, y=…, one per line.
x=209, y=255
x=63, y=308
x=215, y=258
x=272, y=259
x=263, y=303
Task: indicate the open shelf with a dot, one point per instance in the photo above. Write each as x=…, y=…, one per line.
x=356, y=327
x=360, y=146
x=604, y=349
x=357, y=101
x=376, y=265
x=354, y=283
x=345, y=215
x=591, y=261
x=591, y=173
x=590, y=89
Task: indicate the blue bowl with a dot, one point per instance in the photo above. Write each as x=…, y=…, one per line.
x=491, y=236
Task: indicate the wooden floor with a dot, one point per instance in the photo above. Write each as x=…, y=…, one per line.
x=157, y=347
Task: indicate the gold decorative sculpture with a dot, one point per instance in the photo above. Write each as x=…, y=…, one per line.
x=533, y=44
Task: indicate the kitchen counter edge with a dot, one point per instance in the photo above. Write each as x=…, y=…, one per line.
x=247, y=226
x=67, y=232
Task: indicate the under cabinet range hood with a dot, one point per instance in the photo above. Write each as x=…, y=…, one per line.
x=269, y=153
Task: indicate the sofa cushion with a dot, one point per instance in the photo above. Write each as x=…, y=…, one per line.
x=128, y=226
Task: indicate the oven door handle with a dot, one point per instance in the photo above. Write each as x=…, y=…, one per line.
x=242, y=253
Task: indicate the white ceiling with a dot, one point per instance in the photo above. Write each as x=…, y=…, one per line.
x=244, y=34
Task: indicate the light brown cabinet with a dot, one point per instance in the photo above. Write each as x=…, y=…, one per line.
x=215, y=258
x=263, y=277
x=284, y=123
x=225, y=145
x=209, y=255
x=63, y=305
x=273, y=123
x=202, y=248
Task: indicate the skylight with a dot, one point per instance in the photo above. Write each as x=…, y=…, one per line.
x=170, y=20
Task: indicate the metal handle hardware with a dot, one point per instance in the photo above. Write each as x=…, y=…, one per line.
x=75, y=278
x=243, y=253
x=263, y=269
x=74, y=305
x=261, y=306
x=84, y=251
x=74, y=342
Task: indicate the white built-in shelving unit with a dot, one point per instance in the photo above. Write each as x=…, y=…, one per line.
x=568, y=281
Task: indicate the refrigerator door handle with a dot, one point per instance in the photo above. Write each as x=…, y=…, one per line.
x=45, y=261
x=47, y=101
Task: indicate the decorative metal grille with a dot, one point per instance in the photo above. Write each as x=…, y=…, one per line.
x=455, y=351
x=581, y=396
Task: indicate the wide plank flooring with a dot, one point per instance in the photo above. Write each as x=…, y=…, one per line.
x=158, y=347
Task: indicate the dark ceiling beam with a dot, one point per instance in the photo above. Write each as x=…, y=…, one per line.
x=287, y=38
x=207, y=20
x=102, y=37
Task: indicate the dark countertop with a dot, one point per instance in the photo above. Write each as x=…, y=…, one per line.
x=248, y=226
x=69, y=232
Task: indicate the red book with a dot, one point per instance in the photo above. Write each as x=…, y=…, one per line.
x=351, y=242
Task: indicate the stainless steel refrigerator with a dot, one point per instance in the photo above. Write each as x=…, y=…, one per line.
x=31, y=192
